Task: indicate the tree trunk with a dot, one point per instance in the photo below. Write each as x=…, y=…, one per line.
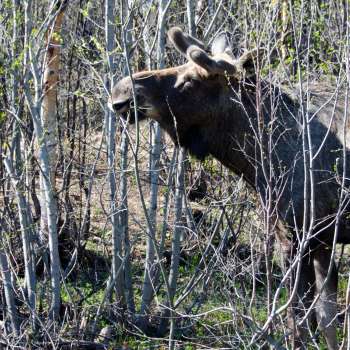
x=110, y=122
x=190, y=17
x=156, y=141
x=42, y=107
x=27, y=238
x=49, y=108
x=175, y=246
x=8, y=288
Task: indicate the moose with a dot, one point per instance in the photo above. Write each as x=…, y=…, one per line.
x=292, y=152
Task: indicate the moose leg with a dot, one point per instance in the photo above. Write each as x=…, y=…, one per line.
x=326, y=307
x=304, y=294
x=301, y=304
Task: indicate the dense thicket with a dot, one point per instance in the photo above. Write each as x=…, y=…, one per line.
x=109, y=235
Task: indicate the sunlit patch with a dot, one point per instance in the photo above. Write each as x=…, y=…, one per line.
x=110, y=105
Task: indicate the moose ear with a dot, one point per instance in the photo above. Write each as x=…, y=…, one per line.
x=200, y=57
x=213, y=66
x=182, y=41
x=248, y=61
x=221, y=44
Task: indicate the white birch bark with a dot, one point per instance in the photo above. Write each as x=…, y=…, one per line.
x=27, y=239
x=190, y=16
x=175, y=244
x=48, y=201
x=156, y=146
x=49, y=108
x=123, y=188
x=123, y=223
x=8, y=289
x=110, y=123
x=13, y=163
x=167, y=313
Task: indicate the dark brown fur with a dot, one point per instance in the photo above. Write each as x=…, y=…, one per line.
x=209, y=106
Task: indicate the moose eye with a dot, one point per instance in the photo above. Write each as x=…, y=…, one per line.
x=186, y=84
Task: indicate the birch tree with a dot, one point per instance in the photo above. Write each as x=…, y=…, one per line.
x=110, y=122
x=151, y=276
x=169, y=312
x=42, y=107
x=14, y=164
x=5, y=274
x=123, y=216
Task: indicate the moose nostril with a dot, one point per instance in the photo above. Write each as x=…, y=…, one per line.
x=121, y=106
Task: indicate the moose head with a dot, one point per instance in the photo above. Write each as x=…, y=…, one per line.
x=189, y=100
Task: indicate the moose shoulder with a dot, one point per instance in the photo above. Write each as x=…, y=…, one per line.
x=289, y=152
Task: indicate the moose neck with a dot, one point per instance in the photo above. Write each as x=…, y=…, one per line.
x=229, y=137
